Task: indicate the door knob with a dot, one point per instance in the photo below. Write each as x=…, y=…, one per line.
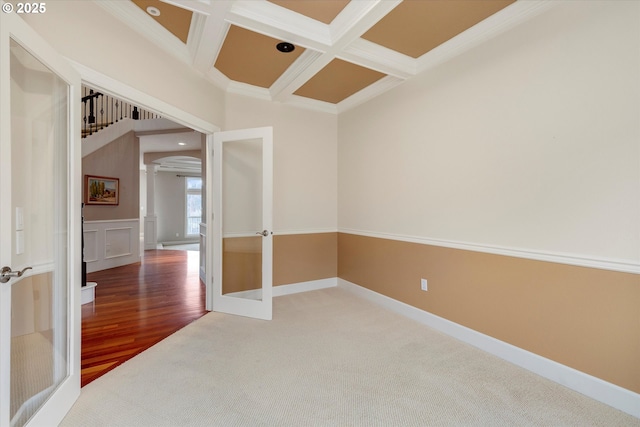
x=264, y=233
x=6, y=273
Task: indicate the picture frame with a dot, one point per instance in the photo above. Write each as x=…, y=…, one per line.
x=101, y=190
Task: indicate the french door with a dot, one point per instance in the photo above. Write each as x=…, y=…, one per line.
x=242, y=218
x=39, y=229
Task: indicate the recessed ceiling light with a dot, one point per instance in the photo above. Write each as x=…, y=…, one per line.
x=182, y=143
x=285, y=47
x=153, y=11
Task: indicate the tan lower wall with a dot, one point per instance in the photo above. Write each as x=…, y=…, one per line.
x=296, y=258
x=304, y=257
x=585, y=318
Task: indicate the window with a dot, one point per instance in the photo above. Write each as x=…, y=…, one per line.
x=194, y=205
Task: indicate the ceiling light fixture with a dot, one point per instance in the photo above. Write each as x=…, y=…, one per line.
x=285, y=47
x=153, y=11
x=182, y=143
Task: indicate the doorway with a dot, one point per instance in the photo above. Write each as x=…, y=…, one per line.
x=141, y=303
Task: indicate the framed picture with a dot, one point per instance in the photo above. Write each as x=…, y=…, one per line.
x=101, y=190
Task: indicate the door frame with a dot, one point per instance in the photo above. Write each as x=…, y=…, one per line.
x=263, y=308
x=66, y=393
x=130, y=94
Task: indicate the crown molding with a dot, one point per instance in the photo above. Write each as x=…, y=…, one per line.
x=218, y=79
x=311, y=104
x=368, y=93
x=249, y=90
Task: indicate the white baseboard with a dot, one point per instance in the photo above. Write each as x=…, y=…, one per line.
x=600, y=390
x=294, y=288
x=311, y=285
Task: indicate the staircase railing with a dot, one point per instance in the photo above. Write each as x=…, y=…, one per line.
x=101, y=110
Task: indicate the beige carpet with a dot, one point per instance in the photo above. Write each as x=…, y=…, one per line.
x=328, y=358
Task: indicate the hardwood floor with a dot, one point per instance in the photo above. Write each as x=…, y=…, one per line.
x=137, y=306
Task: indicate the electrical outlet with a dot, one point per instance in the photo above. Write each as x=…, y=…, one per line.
x=423, y=284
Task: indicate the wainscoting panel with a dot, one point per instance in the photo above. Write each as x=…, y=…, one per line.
x=109, y=244
x=118, y=242
x=90, y=245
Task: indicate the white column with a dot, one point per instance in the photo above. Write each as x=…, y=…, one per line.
x=150, y=220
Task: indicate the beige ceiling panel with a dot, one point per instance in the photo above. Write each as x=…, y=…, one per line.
x=252, y=58
x=415, y=27
x=338, y=81
x=324, y=11
x=173, y=18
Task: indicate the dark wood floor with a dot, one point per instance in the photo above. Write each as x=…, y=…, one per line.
x=137, y=306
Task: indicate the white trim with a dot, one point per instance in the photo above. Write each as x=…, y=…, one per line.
x=377, y=88
x=245, y=89
x=357, y=17
x=306, y=231
x=281, y=232
x=310, y=104
x=110, y=221
x=595, y=388
x=311, y=285
x=279, y=23
x=288, y=81
x=368, y=54
x=624, y=266
x=293, y=288
x=240, y=235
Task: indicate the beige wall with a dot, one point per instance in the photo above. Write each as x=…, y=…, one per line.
x=304, y=161
x=96, y=39
x=119, y=159
x=530, y=141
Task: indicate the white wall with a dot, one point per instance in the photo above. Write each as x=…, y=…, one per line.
x=530, y=140
x=304, y=165
x=170, y=207
x=84, y=32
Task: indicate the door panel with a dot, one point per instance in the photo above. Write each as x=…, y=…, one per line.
x=39, y=322
x=242, y=217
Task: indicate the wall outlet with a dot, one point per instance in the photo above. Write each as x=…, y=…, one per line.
x=423, y=284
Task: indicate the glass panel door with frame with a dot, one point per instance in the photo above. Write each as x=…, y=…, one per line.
x=39, y=322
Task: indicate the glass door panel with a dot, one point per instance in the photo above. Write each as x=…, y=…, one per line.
x=243, y=162
x=242, y=219
x=39, y=345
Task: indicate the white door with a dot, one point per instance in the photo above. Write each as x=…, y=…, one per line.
x=242, y=219
x=39, y=229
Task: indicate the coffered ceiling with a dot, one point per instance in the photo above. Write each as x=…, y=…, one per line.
x=345, y=52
